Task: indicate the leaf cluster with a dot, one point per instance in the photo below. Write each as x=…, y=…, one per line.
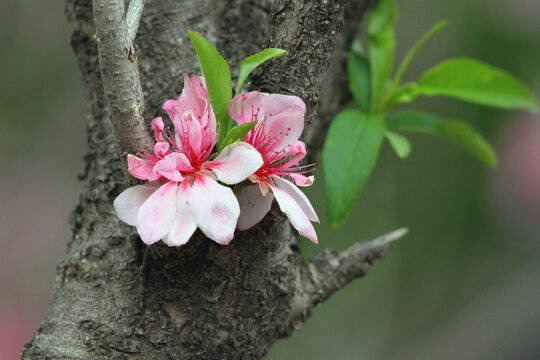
x=356, y=135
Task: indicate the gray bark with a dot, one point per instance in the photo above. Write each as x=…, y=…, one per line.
x=115, y=298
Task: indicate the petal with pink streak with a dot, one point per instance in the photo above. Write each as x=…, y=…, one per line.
x=294, y=212
x=236, y=163
x=141, y=169
x=298, y=196
x=128, y=203
x=244, y=108
x=172, y=165
x=284, y=118
x=214, y=208
x=157, y=215
x=253, y=206
x=191, y=99
x=194, y=97
x=184, y=225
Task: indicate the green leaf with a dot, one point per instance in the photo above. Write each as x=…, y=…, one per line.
x=411, y=120
x=406, y=93
x=357, y=47
x=250, y=63
x=349, y=154
x=411, y=54
x=236, y=133
x=399, y=143
x=359, y=79
x=218, y=79
x=381, y=45
x=454, y=131
x=477, y=82
x=466, y=137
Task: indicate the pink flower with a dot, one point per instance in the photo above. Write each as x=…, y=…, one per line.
x=182, y=192
x=280, y=124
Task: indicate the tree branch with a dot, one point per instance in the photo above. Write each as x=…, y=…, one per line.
x=308, y=31
x=330, y=271
x=335, y=93
x=116, y=298
x=133, y=17
x=120, y=75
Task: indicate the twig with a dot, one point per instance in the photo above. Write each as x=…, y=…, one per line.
x=120, y=75
x=133, y=17
x=330, y=270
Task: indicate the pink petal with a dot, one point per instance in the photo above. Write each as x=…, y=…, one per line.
x=285, y=118
x=235, y=163
x=194, y=99
x=296, y=215
x=281, y=115
x=129, y=201
x=298, y=196
x=302, y=180
x=184, y=226
x=157, y=128
x=161, y=149
x=157, y=214
x=214, y=208
x=297, y=150
x=172, y=165
x=170, y=107
x=244, y=108
x=253, y=206
x=141, y=169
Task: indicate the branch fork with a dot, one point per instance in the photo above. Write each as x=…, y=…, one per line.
x=120, y=74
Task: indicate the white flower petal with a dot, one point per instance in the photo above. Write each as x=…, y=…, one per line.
x=128, y=203
x=236, y=163
x=294, y=212
x=157, y=214
x=253, y=206
x=298, y=196
x=184, y=225
x=214, y=208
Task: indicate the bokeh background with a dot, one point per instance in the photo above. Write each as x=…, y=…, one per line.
x=464, y=284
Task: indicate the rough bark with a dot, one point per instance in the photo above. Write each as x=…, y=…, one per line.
x=115, y=298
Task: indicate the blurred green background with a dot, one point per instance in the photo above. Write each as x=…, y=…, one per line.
x=464, y=284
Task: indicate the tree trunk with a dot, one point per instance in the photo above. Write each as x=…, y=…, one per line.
x=114, y=297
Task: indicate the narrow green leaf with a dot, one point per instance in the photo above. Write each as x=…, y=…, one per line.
x=399, y=143
x=381, y=45
x=413, y=51
x=218, y=79
x=250, y=63
x=349, y=154
x=236, y=133
x=477, y=82
x=454, y=131
x=359, y=79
